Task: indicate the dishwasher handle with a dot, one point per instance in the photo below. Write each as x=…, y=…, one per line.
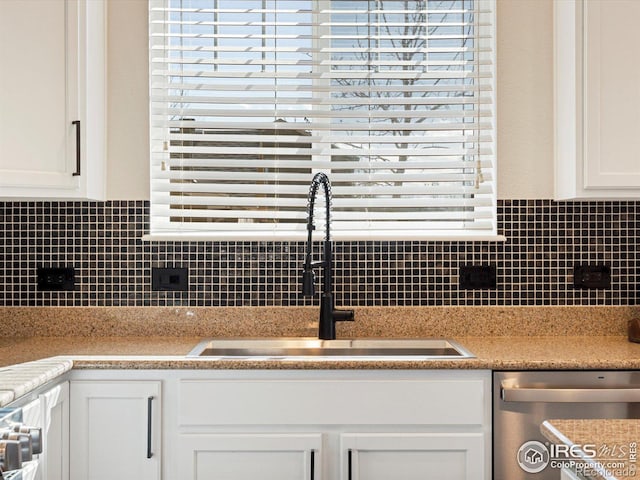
x=629, y=394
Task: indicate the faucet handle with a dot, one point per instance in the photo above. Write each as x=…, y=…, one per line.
x=343, y=315
x=308, y=283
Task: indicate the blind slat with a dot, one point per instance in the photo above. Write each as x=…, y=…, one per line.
x=278, y=176
x=406, y=203
x=341, y=113
x=430, y=194
x=224, y=163
x=277, y=127
x=423, y=138
x=171, y=49
x=284, y=9
x=329, y=75
x=250, y=227
x=328, y=150
x=197, y=85
x=361, y=204
x=191, y=99
x=338, y=215
x=274, y=61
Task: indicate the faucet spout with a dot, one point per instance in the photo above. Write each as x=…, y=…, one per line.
x=328, y=313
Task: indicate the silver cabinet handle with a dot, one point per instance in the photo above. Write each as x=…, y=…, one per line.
x=78, y=143
x=629, y=394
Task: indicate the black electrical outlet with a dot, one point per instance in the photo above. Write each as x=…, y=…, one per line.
x=170, y=279
x=592, y=276
x=56, y=278
x=477, y=276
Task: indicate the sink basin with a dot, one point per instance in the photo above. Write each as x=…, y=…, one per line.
x=417, y=349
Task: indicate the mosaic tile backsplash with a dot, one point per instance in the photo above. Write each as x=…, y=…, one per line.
x=102, y=241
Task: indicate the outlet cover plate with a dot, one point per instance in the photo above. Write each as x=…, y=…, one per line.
x=170, y=279
x=592, y=276
x=51, y=279
x=478, y=277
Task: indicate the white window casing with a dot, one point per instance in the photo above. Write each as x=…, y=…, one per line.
x=393, y=99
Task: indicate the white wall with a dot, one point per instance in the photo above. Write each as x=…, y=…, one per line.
x=525, y=102
x=525, y=98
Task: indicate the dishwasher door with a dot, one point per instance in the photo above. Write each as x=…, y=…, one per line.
x=523, y=400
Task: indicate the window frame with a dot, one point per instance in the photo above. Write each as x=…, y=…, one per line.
x=271, y=232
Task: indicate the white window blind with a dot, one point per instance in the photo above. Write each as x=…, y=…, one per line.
x=393, y=99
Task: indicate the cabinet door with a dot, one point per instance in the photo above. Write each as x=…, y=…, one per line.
x=55, y=456
x=52, y=55
x=115, y=430
x=412, y=456
x=597, y=102
x=249, y=456
x=611, y=95
x=36, y=112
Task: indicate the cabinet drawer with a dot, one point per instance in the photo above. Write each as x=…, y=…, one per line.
x=250, y=456
x=413, y=456
x=344, y=402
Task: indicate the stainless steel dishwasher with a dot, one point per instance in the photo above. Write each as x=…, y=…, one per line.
x=523, y=400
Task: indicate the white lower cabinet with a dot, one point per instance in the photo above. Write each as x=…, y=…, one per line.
x=370, y=456
x=115, y=430
x=55, y=457
x=331, y=425
x=281, y=425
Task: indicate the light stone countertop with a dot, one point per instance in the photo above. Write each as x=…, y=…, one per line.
x=614, y=442
x=18, y=380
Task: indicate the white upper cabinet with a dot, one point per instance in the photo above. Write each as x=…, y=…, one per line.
x=597, y=99
x=52, y=99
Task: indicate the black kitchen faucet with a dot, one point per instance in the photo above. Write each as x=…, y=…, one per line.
x=328, y=313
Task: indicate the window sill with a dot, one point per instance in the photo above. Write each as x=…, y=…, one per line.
x=335, y=236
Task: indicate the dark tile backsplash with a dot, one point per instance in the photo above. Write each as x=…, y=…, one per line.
x=102, y=241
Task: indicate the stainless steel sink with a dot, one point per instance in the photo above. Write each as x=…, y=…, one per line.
x=417, y=349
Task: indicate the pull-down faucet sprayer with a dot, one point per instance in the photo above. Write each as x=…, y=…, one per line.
x=328, y=313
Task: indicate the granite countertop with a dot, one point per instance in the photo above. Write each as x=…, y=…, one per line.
x=38, y=343
x=609, y=447
x=32, y=361
x=495, y=353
